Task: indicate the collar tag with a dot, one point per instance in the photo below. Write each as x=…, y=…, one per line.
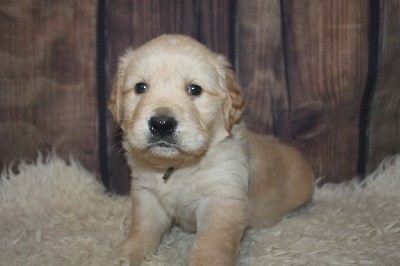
x=168, y=173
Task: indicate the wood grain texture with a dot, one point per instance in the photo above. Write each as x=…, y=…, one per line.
x=215, y=26
x=134, y=22
x=384, y=128
x=327, y=59
x=389, y=43
x=48, y=79
x=131, y=23
x=260, y=66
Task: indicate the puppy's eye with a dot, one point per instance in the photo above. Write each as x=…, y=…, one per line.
x=194, y=89
x=140, y=88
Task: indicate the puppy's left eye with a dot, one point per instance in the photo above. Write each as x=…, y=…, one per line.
x=194, y=90
x=140, y=88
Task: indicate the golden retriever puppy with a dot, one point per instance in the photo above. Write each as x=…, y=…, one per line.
x=192, y=161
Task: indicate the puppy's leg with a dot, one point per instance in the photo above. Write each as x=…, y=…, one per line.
x=220, y=226
x=149, y=224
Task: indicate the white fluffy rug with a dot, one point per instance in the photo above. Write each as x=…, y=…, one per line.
x=56, y=213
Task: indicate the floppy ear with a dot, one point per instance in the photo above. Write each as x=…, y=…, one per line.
x=234, y=105
x=114, y=103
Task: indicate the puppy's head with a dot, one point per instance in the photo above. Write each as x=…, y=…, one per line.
x=172, y=98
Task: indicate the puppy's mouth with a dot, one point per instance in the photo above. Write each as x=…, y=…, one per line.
x=163, y=144
x=164, y=149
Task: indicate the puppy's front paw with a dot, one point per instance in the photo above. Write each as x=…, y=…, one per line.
x=133, y=250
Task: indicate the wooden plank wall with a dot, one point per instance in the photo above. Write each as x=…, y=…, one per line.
x=48, y=80
x=321, y=75
x=327, y=63
x=384, y=130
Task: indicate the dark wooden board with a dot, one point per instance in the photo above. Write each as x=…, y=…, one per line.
x=215, y=25
x=48, y=80
x=260, y=66
x=384, y=128
x=326, y=45
x=131, y=23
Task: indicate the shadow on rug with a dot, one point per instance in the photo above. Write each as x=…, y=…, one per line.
x=56, y=213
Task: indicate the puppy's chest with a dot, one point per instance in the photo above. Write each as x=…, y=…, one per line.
x=179, y=198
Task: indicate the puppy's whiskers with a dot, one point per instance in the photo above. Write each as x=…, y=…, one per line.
x=117, y=147
x=116, y=139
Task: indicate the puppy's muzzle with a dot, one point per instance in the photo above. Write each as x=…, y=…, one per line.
x=162, y=128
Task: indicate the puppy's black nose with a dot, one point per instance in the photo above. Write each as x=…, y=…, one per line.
x=162, y=126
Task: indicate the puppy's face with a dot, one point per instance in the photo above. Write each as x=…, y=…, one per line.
x=172, y=97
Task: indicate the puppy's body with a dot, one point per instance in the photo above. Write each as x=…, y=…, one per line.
x=280, y=180
x=180, y=108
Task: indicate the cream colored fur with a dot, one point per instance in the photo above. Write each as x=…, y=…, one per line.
x=225, y=179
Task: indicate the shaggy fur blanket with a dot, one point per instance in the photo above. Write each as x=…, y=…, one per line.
x=57, y=213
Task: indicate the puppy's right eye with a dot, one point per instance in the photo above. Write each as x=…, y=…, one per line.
x=140, y=88
x=194, y=90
